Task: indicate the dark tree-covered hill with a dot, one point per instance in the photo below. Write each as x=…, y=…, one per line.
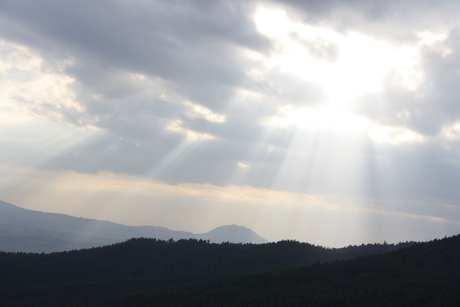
x=145, y=272
x=150, y=257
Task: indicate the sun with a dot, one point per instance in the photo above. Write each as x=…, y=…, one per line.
x=327, y=117
x=345, y=66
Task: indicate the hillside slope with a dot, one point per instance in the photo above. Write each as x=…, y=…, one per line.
x=23, y=230
x=150, y=257
x=425, y=274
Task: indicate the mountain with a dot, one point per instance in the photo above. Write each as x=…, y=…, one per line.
x=23, y=230
x=232, y=234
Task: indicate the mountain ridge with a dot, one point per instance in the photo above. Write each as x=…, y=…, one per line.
x=24, y=230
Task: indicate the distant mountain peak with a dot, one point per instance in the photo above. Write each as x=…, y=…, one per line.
x=232, y=234
x=35, y=231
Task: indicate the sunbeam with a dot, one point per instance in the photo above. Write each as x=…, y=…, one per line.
x=328, y=122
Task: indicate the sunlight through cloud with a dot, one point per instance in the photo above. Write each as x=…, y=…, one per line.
x=435, y=40
x=203, y=112
x=314, y=120
x=345, y=65
x=393, y=135
x=28, y=89
x=242, y=165
x=176, y=126
x=327, y=117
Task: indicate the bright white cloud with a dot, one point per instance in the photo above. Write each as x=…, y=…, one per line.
x=345, y=65
x=320, y=118
x=438, y=41
x=177, y=127
x=203, y=112
x=243, y=165
x=29, y=89
x=393, y=135
x=451, y=132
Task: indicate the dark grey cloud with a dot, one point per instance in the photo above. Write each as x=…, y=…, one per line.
x=188, y=43
x=193, y=47
x=389, y=20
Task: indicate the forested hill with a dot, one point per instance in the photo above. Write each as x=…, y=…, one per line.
x=144, y=272
x=150, y=257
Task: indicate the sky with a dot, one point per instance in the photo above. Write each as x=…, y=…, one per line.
x=330, y=122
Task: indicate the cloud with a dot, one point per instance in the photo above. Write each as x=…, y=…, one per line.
x=389, y=20
x=354, y=99
x=430, y=105
x=188, y=43
x=29, y=88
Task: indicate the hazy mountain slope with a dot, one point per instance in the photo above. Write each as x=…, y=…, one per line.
x=34, y=231
x=231, y=233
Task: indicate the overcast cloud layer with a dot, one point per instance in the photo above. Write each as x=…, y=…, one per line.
x=350, y=99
